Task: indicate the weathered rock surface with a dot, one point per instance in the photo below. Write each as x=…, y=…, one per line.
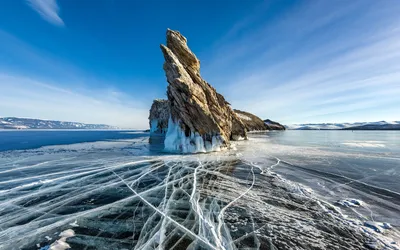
x=271, y=125
x=196, y=118
x=201, y=119
x=254, y=123
x=251, y=122
x=159, y=115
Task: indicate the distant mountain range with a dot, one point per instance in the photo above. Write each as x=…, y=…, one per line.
x=27, y=123
x=381, y=125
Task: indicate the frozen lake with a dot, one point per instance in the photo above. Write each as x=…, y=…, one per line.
x=278, y=190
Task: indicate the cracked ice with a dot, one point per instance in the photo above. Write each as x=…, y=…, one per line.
x=128, y=197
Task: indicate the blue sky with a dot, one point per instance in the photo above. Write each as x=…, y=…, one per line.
x=290, y=61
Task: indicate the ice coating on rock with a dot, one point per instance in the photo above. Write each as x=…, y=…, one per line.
x=153, y=126
x=158, y=118
x=177, y=141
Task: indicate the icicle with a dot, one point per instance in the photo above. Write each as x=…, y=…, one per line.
x=177, y=141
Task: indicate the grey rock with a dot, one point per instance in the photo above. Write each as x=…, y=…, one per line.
x=159, y=115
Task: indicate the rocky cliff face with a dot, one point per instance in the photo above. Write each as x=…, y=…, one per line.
x=271, y=125
x=251, y=122
x=159, y=115
x=201, y=119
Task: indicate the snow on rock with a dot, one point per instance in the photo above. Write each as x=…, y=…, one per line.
x=243, y=117
x=252, y=122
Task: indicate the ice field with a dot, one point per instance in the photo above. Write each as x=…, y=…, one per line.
x=273, y=192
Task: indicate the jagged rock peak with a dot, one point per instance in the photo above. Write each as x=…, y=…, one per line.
x=199, y=115
x=178, y=45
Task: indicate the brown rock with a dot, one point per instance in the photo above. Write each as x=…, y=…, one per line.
x=252, y=122
x=271, y=125
x=195, y=105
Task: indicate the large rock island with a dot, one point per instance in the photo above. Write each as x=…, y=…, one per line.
x=195, y=118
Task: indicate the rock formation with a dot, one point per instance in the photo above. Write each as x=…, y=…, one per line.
x=271, y=125
x=254, y=123
x=159, y=115
x=196, y=118
x=250, y=121
x=201, y=119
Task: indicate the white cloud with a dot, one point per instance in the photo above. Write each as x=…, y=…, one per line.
x=37, y=84
x=48, y=10
x=331, y=62
x=25, y=97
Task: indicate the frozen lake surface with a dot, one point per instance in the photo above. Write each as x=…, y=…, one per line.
x=278, y=190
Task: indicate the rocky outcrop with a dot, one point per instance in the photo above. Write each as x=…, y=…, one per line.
x=271, y=125
x=158, y=118
x=196, y=118
x=201, y=119
x=251, y=122
x=254, y=123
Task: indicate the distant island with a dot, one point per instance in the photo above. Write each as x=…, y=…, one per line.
x=381, y=125
x=28, y=123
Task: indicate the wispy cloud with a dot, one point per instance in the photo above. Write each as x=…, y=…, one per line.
x=37, y=84
x=316, y=62
x=48, y=10
x=26, y=97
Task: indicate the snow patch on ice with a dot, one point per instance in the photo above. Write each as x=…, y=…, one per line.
x=238, y=138
x=98, y=145
x=351, y=203
x=377, y=226
x=364, y=144
x=292, y=187
x=74, y=224
x=61, y=243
